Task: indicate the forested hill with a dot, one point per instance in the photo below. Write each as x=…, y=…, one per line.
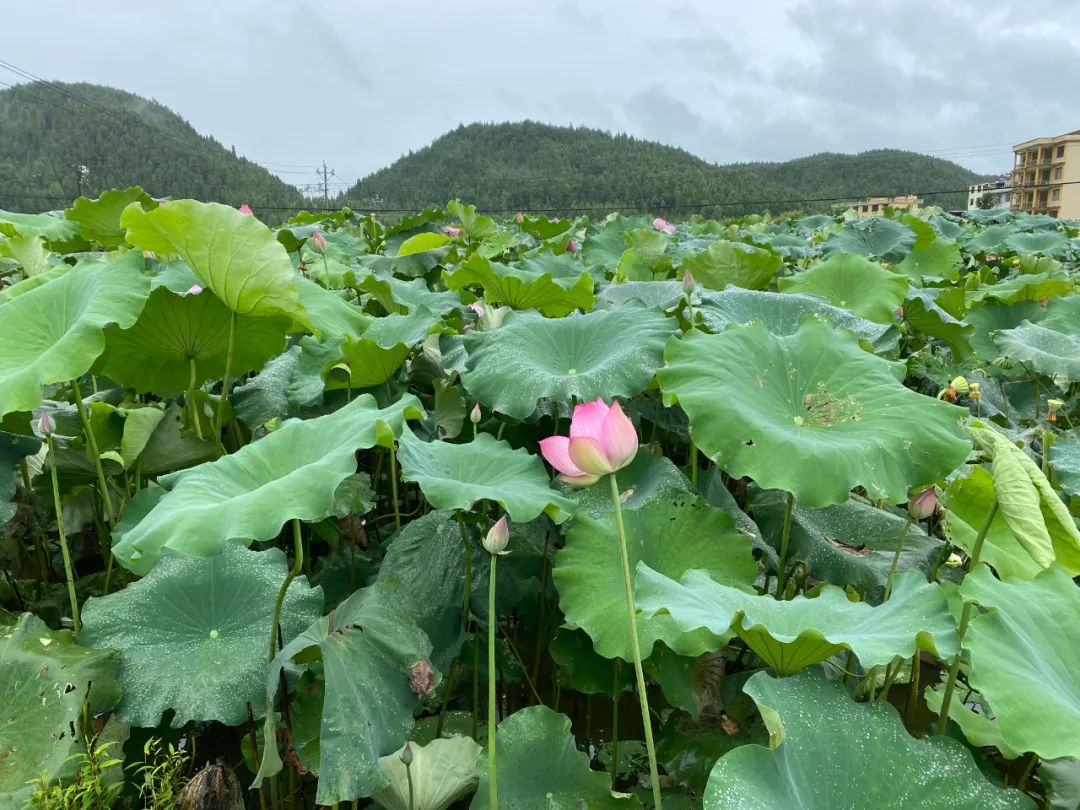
x=530, y=165
x=48, y=130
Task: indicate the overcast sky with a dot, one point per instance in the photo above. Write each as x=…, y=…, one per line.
x=358, y=84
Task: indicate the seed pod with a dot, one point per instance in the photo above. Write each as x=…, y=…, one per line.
x=215, y=787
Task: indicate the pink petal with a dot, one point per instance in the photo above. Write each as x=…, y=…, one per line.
x=478, y=309
x=588, y=455
x=556, y=450
x=194, y=289
x=618, y=439
x=589, y=419
x=659, y=223
x=579, y=480
x=668, y=229
x=245, y=209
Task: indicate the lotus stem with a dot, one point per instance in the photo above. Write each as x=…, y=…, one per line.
x=615, y=724
x=965, y=617
x=91, y=440
x=913, y=693
x=196, y=422
x=298, y=564
x=896, y=556
x=639, y=673
x=394, y=489
x=493, y=628
x=226, y=383
x=785, y=538
x=693, y=464
x=69, y=572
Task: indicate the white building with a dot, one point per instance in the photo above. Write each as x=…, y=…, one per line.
x=998, y=189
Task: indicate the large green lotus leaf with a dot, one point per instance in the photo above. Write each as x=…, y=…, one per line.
x=854, y=283
x=291, y=473
x=673, y=535
x=369, y=364
x=523, y=287
x=29, y=251
x=192, y=634
x=579, y=358
x=662, y=295
x=412, y=265
x=540, y=766
x=925, y=315
x=646, y=257
x=287, y=384
x=33, y=282
x=456, y=476
x=1049, y=243
x=646, y=478
x=783, y=314
x=1025, y=658
x=991, y=318
x=173, y=447
x=605, y=246
x=832, y=753
x=1061, y=777
x=989, y=240
x=791, y=635
x=810, y=413
x=54, y=332
x=968, y=500
x=46, y=682
x=99, y=220
x=234, y=255
x=441, y=773
x=1024, y=287
x=175, y=331
x=735, y=263
x=53, y=229
x=395, y=294
x=369, y=649
x=1065, y=459
x=979, y=727
x=581, y=669
x=1044, y=350
x=1039, y=521
x=931, y=256
x=851, y=543
x=13, y=449
x=876, y=237
x=329, y=314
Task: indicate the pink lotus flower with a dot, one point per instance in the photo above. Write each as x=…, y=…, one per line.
x=924, y=504
x=497, y=537
x=477, y=308
x=663, y=225
x=245, y=209
x=520, y=218
x=194, y=289
x=571, y=246
x=452, y=231
x=602, y=440
x=46, y=426
x=318, y=242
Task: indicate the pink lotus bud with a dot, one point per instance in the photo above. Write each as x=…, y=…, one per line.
x=477, y=308
x=406, y=755
x=520, y=218
x=46, y=425
x=602, y=440
x=318, y=242
x=451, y=231
x=923, y=505
x=571, y=246
x=497, y=537
x=245, y=209
x=194, y=289
x=663, y=225
x=688, y=283
x=474, y=414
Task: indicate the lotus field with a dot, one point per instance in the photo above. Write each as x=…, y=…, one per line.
x=546, y=512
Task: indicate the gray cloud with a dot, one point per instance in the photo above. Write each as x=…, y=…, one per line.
x=291, y=84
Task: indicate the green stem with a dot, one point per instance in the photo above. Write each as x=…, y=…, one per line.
x=785, y=538
x=196, y=422
x=475, y=684
x=524, y=670
x=68, y=570
x=896, y=555
x=643, y=698
x=913, y=693
x=693, y=464
x=891, y=672
x=91, y=440
x=393, y=487
x=227, y=380
x=965, y=617
x=615, y=724
x=493, y=628
x=298, y=564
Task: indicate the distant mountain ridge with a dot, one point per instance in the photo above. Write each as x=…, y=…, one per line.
x=123, y=139
x=530, y=165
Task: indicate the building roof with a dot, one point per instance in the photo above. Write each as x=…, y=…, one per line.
x=1075, y=134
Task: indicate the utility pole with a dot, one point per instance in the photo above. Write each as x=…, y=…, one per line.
x=325, y=174
x=81, y=173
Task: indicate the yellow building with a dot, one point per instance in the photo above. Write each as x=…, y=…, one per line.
x=872, y=206
x=1046, y=176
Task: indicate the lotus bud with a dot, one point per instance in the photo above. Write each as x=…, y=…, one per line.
x=497, y=537
x=954, y=561
x=520, y=218
x=688, y=283
x=194, y=289
x=923, y=505
x=245, y=209
x=663, y=225
x=974, y=392
x=407, y=755
x=571, y=246
x=474, y=414
x=452, y=231
x=318, y=242
x=46, y=424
